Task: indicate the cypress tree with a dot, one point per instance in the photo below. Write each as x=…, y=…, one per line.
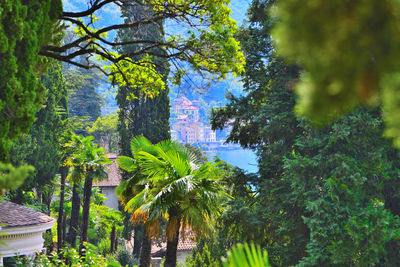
x=141, y=115
x=24, y=27
x=40, y=147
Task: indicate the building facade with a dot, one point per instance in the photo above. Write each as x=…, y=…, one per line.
x=188, y=128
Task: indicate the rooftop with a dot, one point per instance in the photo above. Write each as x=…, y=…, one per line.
x=184, y=244
x=14, y=215
x=113, y=171
x=183, y=101
x=182, y=117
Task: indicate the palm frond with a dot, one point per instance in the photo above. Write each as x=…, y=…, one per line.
x=134, y=203
x=246, y=256
x=172, y=227
x=127, y=163
x=138, y=143
x=139, y=216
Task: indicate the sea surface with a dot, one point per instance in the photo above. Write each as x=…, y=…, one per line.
x=242, y=158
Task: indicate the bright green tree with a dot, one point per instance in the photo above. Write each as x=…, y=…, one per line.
x=104, y=129
x=24, y=27
x=206, y=43
x=40, y=147
x=348, y=53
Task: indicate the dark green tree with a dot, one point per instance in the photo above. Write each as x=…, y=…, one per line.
x=139, y=114
x=326, y=196
x=263, y=119
x=346, y=192
x=84, y=101
x=41, y=147
x=24, y=27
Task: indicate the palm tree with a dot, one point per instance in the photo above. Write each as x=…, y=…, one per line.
x=75, y=176
x=63, y=173
x=128, y=189
x=186, y=192
x=88, y=162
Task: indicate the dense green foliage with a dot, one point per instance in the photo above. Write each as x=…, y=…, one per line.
x=24, y=27
x=9, y=173
x=202, y=259
x=41, y=147
x=84, y=101
x=348, y=53
x=105, y=131
x=70, y=257
x=326, y=196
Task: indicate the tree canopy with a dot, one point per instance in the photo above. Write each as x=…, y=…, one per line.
x=323, y=196
x=24, y=28
x=349, y=55
x=208, y=44
x=31, y=33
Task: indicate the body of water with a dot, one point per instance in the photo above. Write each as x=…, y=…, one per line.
x=242, y=158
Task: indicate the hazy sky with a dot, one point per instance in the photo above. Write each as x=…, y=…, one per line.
x=112, y=13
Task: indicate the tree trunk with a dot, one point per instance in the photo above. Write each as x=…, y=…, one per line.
x=112, y=239
x=137, y=240
x=64, y=229
x=172, y=245
x=87, y=193
x=74, y=224
x=60, y=219
x=145, y=251
x=116, y=242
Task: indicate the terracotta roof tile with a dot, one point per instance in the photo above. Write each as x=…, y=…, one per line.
x=113, y=171
x=182, y=101
x=14, y=215
x=184, y=244
x=188, y=243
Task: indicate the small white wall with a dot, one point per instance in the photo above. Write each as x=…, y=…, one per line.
x=112, y=200
x=23, y=240
x=181, y=256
